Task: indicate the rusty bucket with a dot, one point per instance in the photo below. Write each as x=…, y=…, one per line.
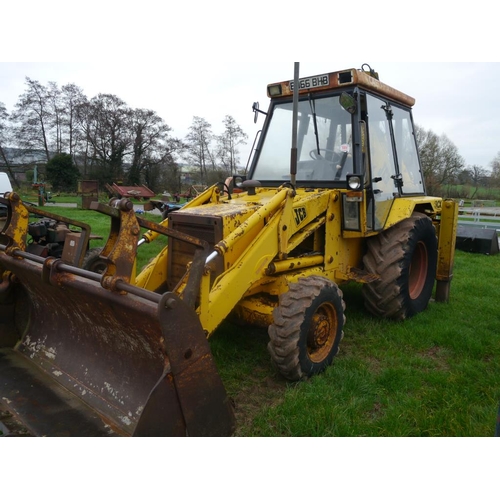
x=77, y=359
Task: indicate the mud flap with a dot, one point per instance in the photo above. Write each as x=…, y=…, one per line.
x=77, y=359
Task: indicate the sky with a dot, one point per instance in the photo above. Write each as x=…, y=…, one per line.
x=455, y=99
x=210, y=60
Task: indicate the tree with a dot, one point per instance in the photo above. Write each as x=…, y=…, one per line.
x=228, y=143
x=106, y=122
x=464, y=176
x=477, y=176
x=56, y=111
x=149, y=142
x=495, y=170
x=62, y=173
x=33, y=117
x=199, y=141
x=165, y=173
x=72, y=99
x=440, y=159
x=5, y=137
x=171, y=178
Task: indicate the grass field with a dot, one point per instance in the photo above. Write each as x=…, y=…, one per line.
x=437, y=374
x=100, y=225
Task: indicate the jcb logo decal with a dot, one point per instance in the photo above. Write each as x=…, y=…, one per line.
x=300, y=215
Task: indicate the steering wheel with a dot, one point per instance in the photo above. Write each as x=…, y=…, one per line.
x=336, y=157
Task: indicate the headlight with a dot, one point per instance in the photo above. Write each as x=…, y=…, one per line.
x=355, y=182
x=274, y=90
x=352, y=202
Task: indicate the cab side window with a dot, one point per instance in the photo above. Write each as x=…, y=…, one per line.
x=406, y=151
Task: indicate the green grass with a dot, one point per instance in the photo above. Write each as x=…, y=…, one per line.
x=470, y=192
x=100, y=226
x=437, y=374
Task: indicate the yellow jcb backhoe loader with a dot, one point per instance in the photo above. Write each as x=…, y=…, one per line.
x=334, y=193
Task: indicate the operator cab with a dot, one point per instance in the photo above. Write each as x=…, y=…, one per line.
x=347, y=121
x=353, y=132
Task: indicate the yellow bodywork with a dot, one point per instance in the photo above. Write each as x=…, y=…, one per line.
x=17, y=227
x=272, y=237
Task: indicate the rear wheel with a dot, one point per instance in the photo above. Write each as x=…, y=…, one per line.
x=307, y=328
x=405, y=258
x=92, y=262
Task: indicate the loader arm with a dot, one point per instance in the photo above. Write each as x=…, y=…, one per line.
x=265, y=255
x=230, y=287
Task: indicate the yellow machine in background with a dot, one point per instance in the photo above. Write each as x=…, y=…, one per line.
x=340, y=199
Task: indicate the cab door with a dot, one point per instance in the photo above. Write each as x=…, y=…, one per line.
x=409, y=169
x=382, y=162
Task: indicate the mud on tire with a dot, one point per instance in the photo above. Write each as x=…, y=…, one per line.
x=307, y=327
x=405, y=258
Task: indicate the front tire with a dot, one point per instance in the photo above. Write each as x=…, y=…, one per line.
x=405, y=258
x=307, y=328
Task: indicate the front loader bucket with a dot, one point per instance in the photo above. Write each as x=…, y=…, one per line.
x=77, y=359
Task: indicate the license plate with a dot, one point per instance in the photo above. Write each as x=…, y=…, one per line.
x=312, y=82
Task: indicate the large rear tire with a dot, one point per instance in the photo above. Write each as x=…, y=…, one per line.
x=307, y=328
x=405, y=258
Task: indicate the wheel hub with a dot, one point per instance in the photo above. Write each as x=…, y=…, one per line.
x=322, y=332
x=321, y=328
x=418, y=270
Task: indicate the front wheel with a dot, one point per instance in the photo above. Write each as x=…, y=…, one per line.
x=405, y=258
x=307, y=327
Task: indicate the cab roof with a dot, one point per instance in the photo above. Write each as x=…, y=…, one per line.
x=337, y=80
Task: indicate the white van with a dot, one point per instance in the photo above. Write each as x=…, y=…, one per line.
x=5, y=187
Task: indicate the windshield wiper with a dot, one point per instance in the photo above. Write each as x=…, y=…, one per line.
x=313, y=111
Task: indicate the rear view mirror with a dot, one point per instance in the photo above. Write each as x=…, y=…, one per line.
x=348, y=102
x=255, y=109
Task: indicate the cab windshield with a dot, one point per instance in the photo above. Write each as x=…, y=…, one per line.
x=324, y=142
